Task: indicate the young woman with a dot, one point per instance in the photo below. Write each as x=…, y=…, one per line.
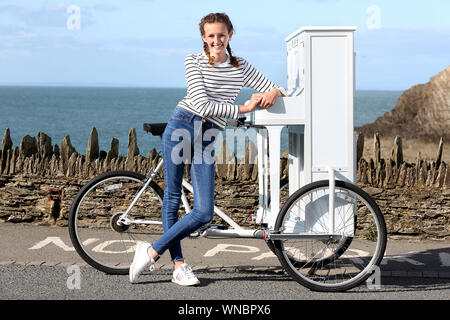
x=214, y=79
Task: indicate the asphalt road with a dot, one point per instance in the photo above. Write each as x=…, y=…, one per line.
x=55, y=283
x=36, y=263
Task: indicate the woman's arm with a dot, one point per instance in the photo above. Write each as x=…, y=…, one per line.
x=256, y=80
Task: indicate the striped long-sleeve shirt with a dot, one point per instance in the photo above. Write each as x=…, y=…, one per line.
x=211, y=92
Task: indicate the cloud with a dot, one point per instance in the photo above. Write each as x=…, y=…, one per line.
x=14, y=53
x=315, y=0
x=101, y=7
x=398, y=58
x=48, y=14
x=52, y=13
x=403, y=43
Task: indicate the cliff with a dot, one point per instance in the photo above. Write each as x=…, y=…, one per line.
x=422, y=112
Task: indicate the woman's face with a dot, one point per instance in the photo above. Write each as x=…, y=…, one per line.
x=217, y=37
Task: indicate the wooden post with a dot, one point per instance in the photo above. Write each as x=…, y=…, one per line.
x=92, y=150
x=439, y=153
x=376, y=149
x=359, y=147
x=397, y=151
x=418, y=165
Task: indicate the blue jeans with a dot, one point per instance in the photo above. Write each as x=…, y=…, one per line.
x=187, y=130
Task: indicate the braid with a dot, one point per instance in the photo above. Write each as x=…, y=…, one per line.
x=234, y=62
x=206, y=49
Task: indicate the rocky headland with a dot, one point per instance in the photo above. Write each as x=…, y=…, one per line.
x=422, y=113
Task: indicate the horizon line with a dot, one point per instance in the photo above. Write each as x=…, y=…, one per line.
x=113, y=85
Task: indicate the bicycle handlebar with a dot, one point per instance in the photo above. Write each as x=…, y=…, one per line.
x=239, y=122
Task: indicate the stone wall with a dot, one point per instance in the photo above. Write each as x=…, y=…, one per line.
x=420, y=213
x=38, y=182
x=394, y=172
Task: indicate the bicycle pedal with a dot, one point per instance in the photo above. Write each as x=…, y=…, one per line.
x=195, y=235
x=217, y=226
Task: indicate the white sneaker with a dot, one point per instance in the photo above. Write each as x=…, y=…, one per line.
x=184, y=276
x=141, y=261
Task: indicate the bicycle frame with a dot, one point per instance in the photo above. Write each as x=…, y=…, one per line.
x=236, y=230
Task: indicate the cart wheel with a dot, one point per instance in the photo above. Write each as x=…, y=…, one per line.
x=340, y=248
x=334, y=261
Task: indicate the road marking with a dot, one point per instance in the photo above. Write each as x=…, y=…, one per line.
x=101, y=247
x=232, y=248
x=89, y=241
x=356, y=257
x=265, y=255
x=55, y=240
x=401, y=258
x=59, y=243
x=223, y=247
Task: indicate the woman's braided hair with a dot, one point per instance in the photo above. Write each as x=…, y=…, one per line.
x=212, y=18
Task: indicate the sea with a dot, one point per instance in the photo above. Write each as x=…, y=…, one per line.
x=61, y=111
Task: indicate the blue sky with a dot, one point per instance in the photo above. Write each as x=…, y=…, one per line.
x=143, y=43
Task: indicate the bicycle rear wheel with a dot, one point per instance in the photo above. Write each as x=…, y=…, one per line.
x=94, y=230
x=330, y=261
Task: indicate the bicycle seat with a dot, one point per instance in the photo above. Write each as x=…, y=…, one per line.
x=156, y=129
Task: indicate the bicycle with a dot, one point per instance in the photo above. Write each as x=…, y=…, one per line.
x=124, y=207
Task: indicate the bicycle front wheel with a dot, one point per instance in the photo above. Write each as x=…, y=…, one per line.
x=96, y=234
x=322, y=259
